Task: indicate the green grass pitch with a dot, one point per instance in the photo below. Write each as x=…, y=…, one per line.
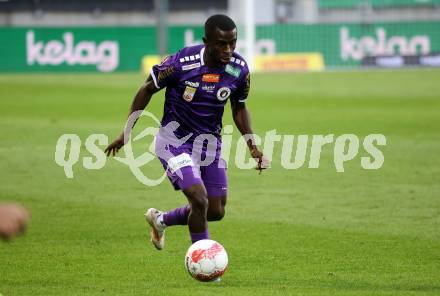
x=287, y=232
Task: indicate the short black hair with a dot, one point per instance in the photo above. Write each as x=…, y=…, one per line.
x=221, y=21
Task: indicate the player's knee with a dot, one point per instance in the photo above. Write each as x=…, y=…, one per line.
x=216, y=214
x=199, y=201
x=200, y=204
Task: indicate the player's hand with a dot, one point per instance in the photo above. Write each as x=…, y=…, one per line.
x=262, y=162
x=13, y=220
x=114, y=147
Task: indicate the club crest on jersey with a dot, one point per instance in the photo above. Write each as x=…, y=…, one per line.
x=232, y=70
x=213, y=78
x=223, y=93
x=189, y=92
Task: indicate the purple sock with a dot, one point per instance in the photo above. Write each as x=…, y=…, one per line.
x=178, y=216
x=199, y=235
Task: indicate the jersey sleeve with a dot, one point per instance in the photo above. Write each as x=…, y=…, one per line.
x=244, y=84
x=165, y=73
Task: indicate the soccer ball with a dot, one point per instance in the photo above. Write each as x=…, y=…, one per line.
x=206, y=260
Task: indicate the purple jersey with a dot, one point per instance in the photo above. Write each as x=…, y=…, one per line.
x=195, y=94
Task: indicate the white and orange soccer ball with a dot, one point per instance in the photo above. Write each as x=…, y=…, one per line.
x=206, y=260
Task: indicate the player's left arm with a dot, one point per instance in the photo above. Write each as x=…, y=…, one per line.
x=242, y=120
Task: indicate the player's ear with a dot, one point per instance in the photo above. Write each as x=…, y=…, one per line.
x=205, y=41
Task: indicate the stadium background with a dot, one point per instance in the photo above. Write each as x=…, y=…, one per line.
x=344, y=33
x=288, y=232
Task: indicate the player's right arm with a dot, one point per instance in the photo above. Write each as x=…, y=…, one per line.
x=161, y=76
x=140, y=101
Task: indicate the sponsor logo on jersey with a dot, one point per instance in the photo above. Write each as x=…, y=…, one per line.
x=189, y=92
x=232, y=70
x=223, y=93
x=190, y=66
x=193, y=84
x=177, y=162
x=213, y=78
x=209, y=88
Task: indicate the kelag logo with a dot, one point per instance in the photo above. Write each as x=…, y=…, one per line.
x=104, y=55
x=381, y=45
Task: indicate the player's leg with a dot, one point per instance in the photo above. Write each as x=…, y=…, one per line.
x=197, y=218
x=215, y=180
x=216, y=208
x=188, y=180
x=178, y=216
x=194, y=215
x=183, y=174
x=216, y=183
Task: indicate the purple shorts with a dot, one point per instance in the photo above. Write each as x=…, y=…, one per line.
x=186, y=166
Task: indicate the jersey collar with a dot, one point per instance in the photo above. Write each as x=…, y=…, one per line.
x=202, y=51
x=202, y=61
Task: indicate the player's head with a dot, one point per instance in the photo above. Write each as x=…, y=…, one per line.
x=220, y=38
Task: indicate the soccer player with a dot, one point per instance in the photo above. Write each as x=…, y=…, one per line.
x=198, y=80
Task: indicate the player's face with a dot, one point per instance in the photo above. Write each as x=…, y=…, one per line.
x=221, y=45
